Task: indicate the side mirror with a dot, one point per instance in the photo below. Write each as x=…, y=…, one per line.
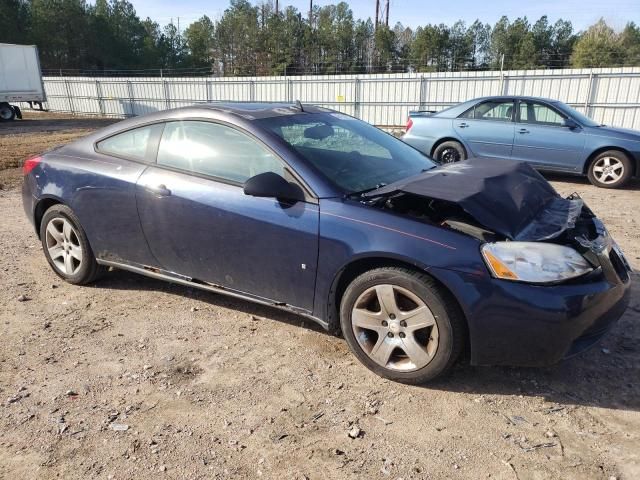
x=272, y=185
x=569, y=123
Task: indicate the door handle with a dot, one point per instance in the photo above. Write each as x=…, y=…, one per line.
x=159, y=190
x=463, y=125
x=523, y=130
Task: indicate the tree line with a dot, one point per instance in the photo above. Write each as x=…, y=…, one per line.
x=256, y=39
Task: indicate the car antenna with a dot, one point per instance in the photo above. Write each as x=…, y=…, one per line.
x=299, y=105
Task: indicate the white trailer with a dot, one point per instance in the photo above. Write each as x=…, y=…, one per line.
x=20, y=79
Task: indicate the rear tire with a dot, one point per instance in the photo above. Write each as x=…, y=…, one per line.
x=610, y=169
x=66, y=247
x=7, y=113
x=402, y=325
x=449, y=152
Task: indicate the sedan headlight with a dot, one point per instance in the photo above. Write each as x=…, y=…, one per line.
x=533, y=262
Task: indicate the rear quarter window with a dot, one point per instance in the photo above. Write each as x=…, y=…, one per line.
x=130, y=144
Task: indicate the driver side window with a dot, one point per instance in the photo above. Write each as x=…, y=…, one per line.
x=538, y=113
x=216, y=150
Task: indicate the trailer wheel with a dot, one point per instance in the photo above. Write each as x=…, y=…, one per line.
x=7, y=113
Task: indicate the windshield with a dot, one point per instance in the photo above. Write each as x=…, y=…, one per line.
x=577, y=116
x=352, y=154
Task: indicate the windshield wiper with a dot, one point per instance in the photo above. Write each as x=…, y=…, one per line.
x=366, y=190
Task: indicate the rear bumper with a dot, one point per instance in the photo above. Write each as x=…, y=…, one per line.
x=527, y=325
x=28, y=199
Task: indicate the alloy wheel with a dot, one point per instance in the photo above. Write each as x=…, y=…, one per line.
x=608, y=170
x=63, y=245
x=395, y=328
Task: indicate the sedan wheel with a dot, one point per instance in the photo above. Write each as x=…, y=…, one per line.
x=449, y=152
x=449, y=155
x=610, y=169
x=395, y=328
x=64, y=246
x=401, y=324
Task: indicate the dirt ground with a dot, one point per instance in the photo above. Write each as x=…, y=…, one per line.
x=132, y=378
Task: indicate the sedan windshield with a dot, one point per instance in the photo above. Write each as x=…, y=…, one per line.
x=577, y=116
x=352, y=154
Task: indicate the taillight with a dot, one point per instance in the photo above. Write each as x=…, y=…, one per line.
x=409, y=124
x=30, y=164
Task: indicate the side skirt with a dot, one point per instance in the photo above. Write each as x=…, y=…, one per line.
x=190, y=282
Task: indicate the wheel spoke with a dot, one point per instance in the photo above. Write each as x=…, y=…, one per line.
x=67, y=230
x=76, y=252
x=598, y=169
x=416, y=353
x=381, y=352
x=418, y=318
x=366, y=319
x=56, y=251
x=616, y=166
x=387, y=300
x=68, y=264
x=54, y=233
x=606, y=161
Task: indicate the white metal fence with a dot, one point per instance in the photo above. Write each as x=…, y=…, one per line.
x=611, y=96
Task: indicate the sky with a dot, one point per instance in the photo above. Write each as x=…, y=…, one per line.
x=412, y=13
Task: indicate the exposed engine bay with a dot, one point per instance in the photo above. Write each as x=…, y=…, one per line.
x=506, y=197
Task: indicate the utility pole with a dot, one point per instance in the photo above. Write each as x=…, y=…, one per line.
x=276, y=7
x=382, y=15
x=386, y=18
x=311, y=13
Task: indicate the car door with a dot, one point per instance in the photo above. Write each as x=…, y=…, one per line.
x=488, y=128
x=199, y=222
x=543, y=140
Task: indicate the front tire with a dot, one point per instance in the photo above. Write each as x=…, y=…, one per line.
x=402, y=325
x=610, y=169
x=449, y=152
x=66, y=247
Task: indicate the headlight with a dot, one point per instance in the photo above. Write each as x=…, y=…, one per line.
x=533, y=262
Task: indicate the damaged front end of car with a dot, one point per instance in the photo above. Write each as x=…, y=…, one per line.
x=528, y=232
x=556, y=275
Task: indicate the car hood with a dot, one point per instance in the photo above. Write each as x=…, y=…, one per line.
x=505, y=196
x=616, y=132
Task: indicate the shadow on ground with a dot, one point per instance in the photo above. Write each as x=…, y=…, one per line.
x=605, y=376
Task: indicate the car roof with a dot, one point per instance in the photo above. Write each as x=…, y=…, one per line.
x=517, y=97
x=257, y=110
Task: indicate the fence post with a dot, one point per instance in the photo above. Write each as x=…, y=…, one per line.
x=587, y=101
x=422, y=93
x=289, y=90
x=358, y=100
x=167, y=96
x=99, y=93
x=69, y=97
x=252, y=90
x=207, y=86
x=130, y=92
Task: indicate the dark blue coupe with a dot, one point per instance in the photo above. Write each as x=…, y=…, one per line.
x=314, y=211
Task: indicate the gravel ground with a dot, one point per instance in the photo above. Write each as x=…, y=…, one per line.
x=135, y=378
